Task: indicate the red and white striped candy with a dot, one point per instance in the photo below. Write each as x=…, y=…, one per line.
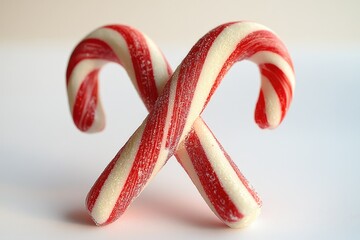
x=92, y=49
x=217, y=178
x=148, y=68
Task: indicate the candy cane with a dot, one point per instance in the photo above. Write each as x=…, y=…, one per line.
x=102, y=46
x=207, y=172
x=97, y=46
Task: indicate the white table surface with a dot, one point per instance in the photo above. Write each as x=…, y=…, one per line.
x=307, y=171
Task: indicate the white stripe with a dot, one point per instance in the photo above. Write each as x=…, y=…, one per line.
x=170, y=111
x=276, y=59
x=164, y=152
x=230, y=181
x=272, y=103
x=116, y=180
x=78, y=75
x=99, y=118
x=186, y=162
x=159, y=65
x=120, y=48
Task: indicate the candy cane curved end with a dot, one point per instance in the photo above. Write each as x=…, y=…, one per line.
x=236, y=41
x=117, y=44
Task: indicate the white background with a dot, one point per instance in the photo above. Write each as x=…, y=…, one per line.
x=306, y=171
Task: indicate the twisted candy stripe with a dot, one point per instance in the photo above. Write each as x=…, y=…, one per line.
x=175, y=115
x=99, y=48
x=140, y=56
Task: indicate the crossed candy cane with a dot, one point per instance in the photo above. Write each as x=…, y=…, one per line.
x=174, y=125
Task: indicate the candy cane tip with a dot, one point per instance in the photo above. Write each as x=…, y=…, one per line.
x=96, y=219
x=98, y=224
x=90, y=129
x=247, y=220
x=267, y=126
x=261, y=120
x=92, y=122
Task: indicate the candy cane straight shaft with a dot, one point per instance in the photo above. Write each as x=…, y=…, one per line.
x=174, y=117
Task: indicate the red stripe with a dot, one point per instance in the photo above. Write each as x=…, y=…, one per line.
x=96, y=188
x=90, y=49
x=86, y=101
x=146, y=157
x=280, y=83
x=190, y=70
x=218, y=197
x=260, y=112
x=141, y=60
